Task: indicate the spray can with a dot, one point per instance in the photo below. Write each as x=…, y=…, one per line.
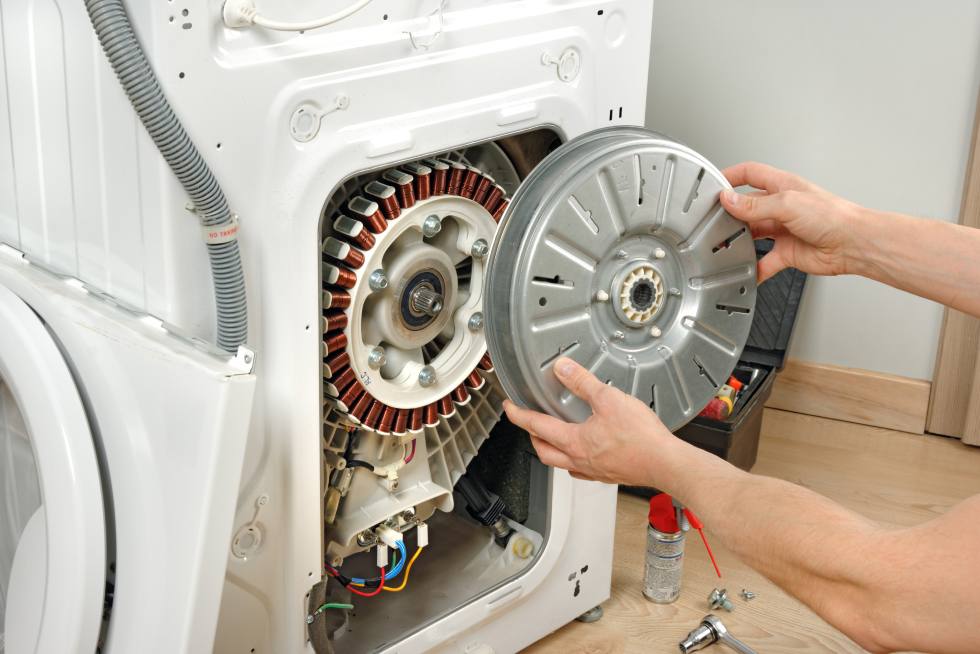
x=665, y=552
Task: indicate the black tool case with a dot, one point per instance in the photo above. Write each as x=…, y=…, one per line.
x=736, y=439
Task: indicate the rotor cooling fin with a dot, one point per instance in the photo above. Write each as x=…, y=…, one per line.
x=616, y=252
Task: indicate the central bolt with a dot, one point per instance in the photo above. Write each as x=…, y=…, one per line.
x=475, y=323
x=426, y=301
x=427, y=376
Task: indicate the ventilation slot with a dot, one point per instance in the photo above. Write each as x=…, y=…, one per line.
x=732, y=309
x=704, y=373
x=562, y=350
x=727, y=243
x=693, y=195
x=553, y=281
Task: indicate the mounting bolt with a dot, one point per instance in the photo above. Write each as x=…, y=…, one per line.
x=427, y=376
x=655, y=332
x=718, y=599
x=377, y=357
x=621, y=254
x=747, y=595
x=431, y=226
x=366, y=538
x=475, y=322
x=618, y=335
x=309, y=619
x=378, y=281
x=601, y=296
x=675, y=292
x=480, y=248
x=659, y=253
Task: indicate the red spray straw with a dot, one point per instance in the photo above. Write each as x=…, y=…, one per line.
x=693, y=519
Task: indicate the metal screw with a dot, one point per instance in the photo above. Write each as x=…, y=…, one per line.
x=377, y=357
x=659, y=253
x=475, y=322
x=655, y=332
x=427, y=376
x=675, y=292
x=366, y=537
x=480, y=248
x=601, y=296
x=431, y=226
x=618, y=335
x=621, y=254
x=309, y=619
x=718, y=599
x=378, y=281
x=747, y=595
x=408, y=514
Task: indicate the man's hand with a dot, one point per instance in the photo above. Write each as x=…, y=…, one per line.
x=811, y=226
x=622, y=442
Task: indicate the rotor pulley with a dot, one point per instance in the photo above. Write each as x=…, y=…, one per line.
x=616, y=252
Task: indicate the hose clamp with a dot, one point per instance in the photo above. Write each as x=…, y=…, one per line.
x=223, y=233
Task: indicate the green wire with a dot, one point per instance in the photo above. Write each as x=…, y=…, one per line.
x=332, y=605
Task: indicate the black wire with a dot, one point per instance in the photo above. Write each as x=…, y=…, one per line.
x=355, y=463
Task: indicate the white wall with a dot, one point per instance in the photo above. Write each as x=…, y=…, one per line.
x=873, y=100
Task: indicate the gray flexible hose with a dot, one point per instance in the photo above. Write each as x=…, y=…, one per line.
x=115, y=32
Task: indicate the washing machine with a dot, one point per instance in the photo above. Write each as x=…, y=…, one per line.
x=254, y=256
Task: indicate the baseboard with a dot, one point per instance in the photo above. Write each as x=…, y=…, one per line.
x=852, y=395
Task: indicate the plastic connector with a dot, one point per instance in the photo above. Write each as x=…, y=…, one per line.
x=389, y=536
x=238, y=13
x=382, y=553
x=422, y=534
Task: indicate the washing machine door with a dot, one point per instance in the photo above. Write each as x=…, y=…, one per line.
x=52, y=519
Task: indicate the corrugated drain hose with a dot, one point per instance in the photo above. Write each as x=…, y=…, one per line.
x=118, y=39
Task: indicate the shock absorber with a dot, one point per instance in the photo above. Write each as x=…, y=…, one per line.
x=485, y=507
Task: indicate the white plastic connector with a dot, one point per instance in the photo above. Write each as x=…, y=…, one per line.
x=422, y=534
x=382, y=555
x=389, y=536
x=238, y=13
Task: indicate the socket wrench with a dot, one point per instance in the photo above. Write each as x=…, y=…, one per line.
x=712, y=630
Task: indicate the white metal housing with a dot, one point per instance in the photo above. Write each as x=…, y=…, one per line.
x=283, y=119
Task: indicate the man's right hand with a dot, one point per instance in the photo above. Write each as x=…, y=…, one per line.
x=812, y=227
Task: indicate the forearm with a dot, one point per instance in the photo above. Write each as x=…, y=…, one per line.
x=814, y=549
x=929, y=258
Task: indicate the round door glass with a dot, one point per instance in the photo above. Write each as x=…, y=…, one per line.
x=21, y=492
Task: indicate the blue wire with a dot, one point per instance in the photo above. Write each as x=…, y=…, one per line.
x=395, y=570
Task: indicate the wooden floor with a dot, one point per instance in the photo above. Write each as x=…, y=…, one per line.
x=895, y=478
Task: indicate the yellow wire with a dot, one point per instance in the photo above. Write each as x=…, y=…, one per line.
x=408, y=569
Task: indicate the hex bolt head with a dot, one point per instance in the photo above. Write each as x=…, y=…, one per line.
x=656, y=332
x=366, y=537
x=431, y=226
x=378, y=281
x=377, y=357
x=621, y=254
x=618, y=335
x=309, y=619
x=601, y=296
x=480, y=248
x=659, y=253
x=475, y=322
x=675, y=292
x=427, y=376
